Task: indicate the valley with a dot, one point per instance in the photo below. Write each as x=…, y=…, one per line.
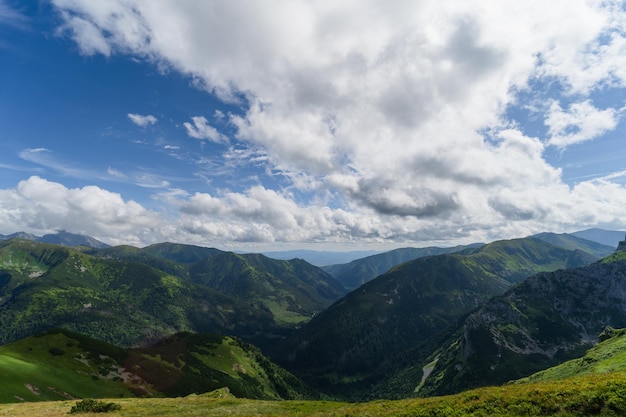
x=172, y=320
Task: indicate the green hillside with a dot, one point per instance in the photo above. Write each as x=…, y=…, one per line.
x=606, y=357
x=364, y=345
x=61, y=365
x=544, y=321
x=58, y=366
x=125, y=253
x=44, y=286
x=599, y=395
x=189, y=363
x=571, y=241
x=292, y=290
x=176, y=252
x=516, y=259
x=358, y=272
x=130, y=296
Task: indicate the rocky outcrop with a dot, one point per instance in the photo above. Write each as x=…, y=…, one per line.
x=549, y=318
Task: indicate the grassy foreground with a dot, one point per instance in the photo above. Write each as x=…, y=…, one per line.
x=601, y=394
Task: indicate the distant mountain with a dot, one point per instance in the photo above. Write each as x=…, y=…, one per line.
x=20, y=235
x=59, y=238
x=60, y=365
x=292, y=290
x=358, y=272
x=71, y=239
x=125, y=303
x=570, y=241
x=130, y=296
x=547, y=319
x=184, y=254
x=320, y=258
x=145, y=256
x=358, y=341
x=605, y=237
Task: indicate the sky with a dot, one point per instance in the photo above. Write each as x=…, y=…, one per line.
x=328, y=124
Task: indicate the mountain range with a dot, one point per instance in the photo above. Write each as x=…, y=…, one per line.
x=410, y=322
x=547, y=319
x=356, y=273
x=357, y=346
x=129, y=296
x=60, y=238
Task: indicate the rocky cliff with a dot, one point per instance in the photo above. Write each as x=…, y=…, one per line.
x=549, y=318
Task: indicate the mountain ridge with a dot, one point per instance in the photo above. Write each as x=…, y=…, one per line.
x=357, y=341
x=359, y=271
x=548, y=318
x=60, y=238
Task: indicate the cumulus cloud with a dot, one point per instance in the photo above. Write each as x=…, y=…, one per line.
x=200, y=129
x=262, y=217
x=381, y=109
x=582, y=122
x=41, y=206
x=141, y=120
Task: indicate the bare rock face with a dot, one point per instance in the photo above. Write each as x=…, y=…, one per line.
x=549, y=318
x=621, y=246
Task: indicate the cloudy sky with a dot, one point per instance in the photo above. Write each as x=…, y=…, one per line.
x=325, y=124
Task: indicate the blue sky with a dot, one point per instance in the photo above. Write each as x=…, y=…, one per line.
x=326, y=125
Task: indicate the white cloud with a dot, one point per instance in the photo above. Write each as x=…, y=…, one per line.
x=262, y=217
x=200, y=129
x=141, y=120
x=380, y=108
x=42, y=206
x=582, y=122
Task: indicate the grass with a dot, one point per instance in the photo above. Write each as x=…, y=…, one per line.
x=606, y=357
x=282, y=314
x=48, y=367
x=600, y=394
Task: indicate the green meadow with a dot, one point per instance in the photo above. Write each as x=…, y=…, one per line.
x=600, y=394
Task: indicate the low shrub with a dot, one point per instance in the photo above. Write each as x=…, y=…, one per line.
x=93, y=406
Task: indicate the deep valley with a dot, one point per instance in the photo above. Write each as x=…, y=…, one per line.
x=172, y=320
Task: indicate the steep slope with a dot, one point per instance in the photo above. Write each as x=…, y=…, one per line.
x=549, y=318
x=189, y=363
x=358, y=272
x=516, y=259
x=125, y=303
x=155, y=259
x=292, y=290
x=609, y=355
x=360, y=340
x=59, y=365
